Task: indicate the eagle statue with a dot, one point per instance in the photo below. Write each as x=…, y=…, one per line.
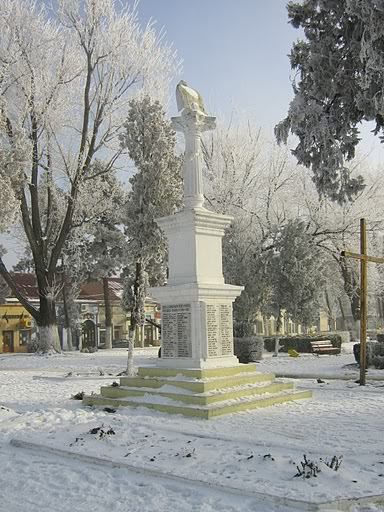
x=188, y=98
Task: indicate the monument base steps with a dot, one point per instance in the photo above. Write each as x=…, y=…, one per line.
x=203, y=393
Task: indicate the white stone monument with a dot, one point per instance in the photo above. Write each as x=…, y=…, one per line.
x=197, y=375
x=196, y=316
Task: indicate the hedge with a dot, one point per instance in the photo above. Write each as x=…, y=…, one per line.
x=299, y=343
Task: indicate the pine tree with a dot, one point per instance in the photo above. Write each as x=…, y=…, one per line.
x=156, y=192
x=340, y=73
x=295, y=269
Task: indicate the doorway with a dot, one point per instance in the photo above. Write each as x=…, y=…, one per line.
x=8, y=340
x=89, y=334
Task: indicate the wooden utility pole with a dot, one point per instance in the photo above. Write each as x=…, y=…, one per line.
x=364, y=259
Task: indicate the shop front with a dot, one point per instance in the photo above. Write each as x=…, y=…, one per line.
x=15, y=328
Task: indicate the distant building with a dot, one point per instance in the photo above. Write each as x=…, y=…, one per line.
x=17, y=325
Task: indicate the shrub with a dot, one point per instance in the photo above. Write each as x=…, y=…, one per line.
x=248, y=349
x=78, y=396
x=299, y=343
x=375, y=354
x=378, y=362
x=243, y=329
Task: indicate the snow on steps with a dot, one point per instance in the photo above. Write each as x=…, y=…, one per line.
x=201, y=393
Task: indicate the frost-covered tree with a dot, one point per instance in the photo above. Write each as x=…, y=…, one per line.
x=269, y=191
x=250, y=178
x=339, y=83
x=335, y=228
x=95, y=248
x=106, y=256
x=12, y=158
x=295, y=269
x=66, y=77
x=234, y=161
x=156, y=192
x=4, y=290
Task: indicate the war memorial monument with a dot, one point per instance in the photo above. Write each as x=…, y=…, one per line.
x=198, y=373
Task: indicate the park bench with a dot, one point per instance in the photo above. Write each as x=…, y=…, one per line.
x=324, y=347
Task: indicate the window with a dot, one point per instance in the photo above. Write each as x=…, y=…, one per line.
x=25, y=337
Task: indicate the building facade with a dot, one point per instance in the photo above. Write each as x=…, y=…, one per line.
x=15, y=328
x=17, y=325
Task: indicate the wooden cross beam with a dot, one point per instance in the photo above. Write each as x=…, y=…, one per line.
x=364, y=259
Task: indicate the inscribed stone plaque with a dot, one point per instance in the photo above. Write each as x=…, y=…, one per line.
x=226, y=329
x=176, y=330
x=219, y=330
x=213, y=330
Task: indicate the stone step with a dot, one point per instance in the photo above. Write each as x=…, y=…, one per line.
x=198, y=386
x=196, y=373
x=200, y=399
x=170, y=406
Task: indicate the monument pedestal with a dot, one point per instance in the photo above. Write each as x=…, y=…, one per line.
x=204, y=393
x=197, y=326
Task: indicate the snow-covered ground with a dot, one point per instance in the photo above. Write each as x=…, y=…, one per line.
x=156, y=462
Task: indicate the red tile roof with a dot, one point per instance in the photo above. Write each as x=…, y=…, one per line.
x=91, y=290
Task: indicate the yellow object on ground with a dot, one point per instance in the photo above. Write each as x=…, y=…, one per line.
x=293, y=353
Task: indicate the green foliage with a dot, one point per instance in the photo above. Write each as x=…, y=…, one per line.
x=245, y=264
x=242, y=329
x=299, y=343
x=295, y=273
x=248, y=349
x=374, y=354
x=339, y=82
x=156, y=192
x=156, y=187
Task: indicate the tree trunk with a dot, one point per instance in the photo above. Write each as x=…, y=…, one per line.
x=45, y=317
x=352, y=289
x=278, y=333
x=108, y=314
x=142, y=335
x=47, y=326
x=265, y=325
x=108, y=337
x=331, y=316
x=68, y=336
x=349, y=323
x=67, y=320
x=130, y=363
x=342, y=315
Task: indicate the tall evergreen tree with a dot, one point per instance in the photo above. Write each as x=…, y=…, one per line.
x=339, y=83
x=295, y=269
x=156, y=192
